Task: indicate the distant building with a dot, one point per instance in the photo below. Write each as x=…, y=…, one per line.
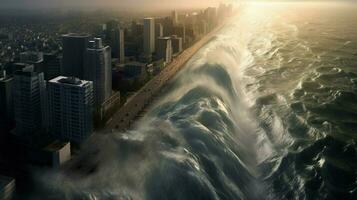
x=74, y=46
x=164, y=49
x=99, y=70
x=168, y=26
x=159, y=32
x=174, y=17
x=115, y=36
x=29, y=101
x=203, y=27
x=176, y=44
x=180, y=31
x=130, y=76
x=31, y=56
x=70, y=105
x=136, y=28
x=7, y=187
x=53, y=154
x=58, y=153
x=11, y=68
x=149, y=37
x=211, y=17
x=6, y=101
x=34, y=58
x=110, y=25
x=52, y=65
x=117, y=44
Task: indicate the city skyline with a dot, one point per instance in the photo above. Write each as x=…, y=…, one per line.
x=186, y=100
x=144, y=5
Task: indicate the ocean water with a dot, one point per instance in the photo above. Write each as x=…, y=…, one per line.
x=266, y=110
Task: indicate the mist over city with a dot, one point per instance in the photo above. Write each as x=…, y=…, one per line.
x=189, y=99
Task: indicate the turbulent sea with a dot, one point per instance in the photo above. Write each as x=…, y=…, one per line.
x=266, y=110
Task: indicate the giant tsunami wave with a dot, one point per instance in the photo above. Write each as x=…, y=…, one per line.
x=266, y=110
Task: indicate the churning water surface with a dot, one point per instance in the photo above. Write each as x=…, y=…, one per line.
x=267, y=110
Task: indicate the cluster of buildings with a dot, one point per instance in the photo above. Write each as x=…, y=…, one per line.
x=50, y=100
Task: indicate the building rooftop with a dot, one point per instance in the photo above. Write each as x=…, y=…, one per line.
x=76, y=35
x=164, y=38
x=56, y=145
x=69, y=81
x=28, y=70
x=31, y=57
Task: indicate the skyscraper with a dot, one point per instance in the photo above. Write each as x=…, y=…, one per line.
x=29, y=101
x=164, y=50
x=52, y=65
x=70, y=105
x=110, y=25
x=176, y=44
x=149, y=37
x=174, y=17
x=33, y=58
x=6, y=103
x=74, y=46
x=117, y=44
x=211, y=17
x=159, y=32
x=98, y=69
x=180, y=31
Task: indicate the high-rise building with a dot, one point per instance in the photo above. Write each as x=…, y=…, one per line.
x=98, y=69
x=6, y=103
x=149, y=37
x=110, y=25
x=174, y=17
x=33, y=58
x=11, y=68
x=117, y=44
x=180, y=31
x=168, y=26
x=164, y=49
x=211, y=17
x=203, y=27
x=136, y=28
x=29, y=101
x=70, y=106
x=74, y=46
x=176, y=44
x=159, y=32
x=52, y=65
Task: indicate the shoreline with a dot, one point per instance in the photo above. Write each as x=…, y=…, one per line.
x=124, y=118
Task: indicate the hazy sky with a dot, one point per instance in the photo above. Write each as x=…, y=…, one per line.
x=122, y=4
x=107, y=3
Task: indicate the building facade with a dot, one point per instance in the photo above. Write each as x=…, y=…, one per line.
x=29, y=101
x=6, y=101
x=176, y=44
x=159, y=32
x=117, y=44
x=74, y=46
x=164, y=49
x=149, y=36
x=174, y=17
x=71, y=107
x=52, y=65
x=99, y=71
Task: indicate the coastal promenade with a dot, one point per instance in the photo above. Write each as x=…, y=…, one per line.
x=125, y=116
